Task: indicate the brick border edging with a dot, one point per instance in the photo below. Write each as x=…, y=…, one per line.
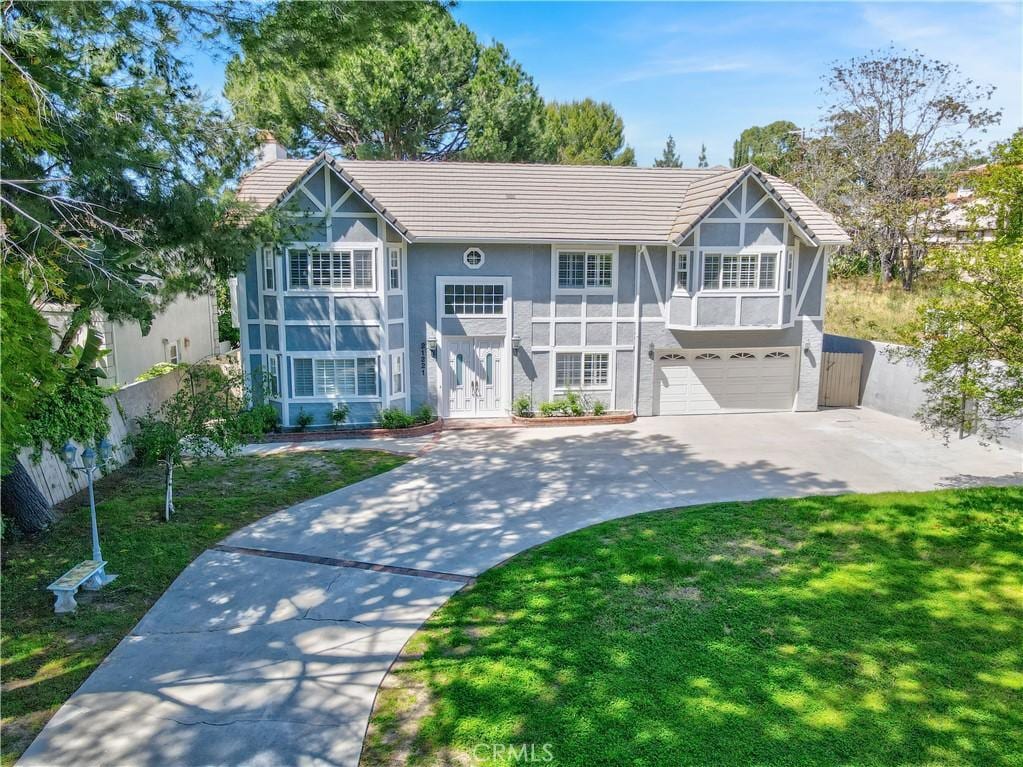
x=373, y=433
x=574, y=420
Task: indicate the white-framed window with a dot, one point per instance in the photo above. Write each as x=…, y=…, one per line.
x=582, y=370
x=397, y=374
x=740, y=271
x=474, y=299
x=585, y=269
x=474, y=258
x=272, y=366
x=394, y=268
x=344, y=269
x=683, y=259
x=337, y=377
x=174, y=352
x=269, y=272
x=789, y=258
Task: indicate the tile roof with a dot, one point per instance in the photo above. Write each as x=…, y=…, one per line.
x=459, y=201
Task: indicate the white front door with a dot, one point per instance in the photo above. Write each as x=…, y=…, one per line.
x=472, y=377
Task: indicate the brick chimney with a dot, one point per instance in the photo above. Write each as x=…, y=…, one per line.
x=269, y=148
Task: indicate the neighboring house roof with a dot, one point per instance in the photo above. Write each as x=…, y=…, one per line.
x=460, y=201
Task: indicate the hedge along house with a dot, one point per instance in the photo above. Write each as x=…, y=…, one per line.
x=466, y=285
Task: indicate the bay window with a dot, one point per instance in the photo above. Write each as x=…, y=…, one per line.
x=345, y=269
x=344, y=377
x=740, y=271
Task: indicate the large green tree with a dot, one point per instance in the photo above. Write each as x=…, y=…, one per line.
x=112, y=175
x=409, y=82
x=770, y=147
x=970, y=338
x=588, y=133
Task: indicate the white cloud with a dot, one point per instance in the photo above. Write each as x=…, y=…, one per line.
x=688, y=65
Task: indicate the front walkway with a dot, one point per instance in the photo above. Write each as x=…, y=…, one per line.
x=269, y=649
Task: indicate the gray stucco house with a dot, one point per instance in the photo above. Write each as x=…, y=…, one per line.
x=466, y=285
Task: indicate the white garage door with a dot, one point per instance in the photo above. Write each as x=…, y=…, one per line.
x=726, y=380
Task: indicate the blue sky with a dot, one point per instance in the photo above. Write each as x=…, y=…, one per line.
x=705, y=71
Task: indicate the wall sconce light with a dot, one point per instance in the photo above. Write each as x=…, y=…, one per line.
x=431, y=344
x=516, y=342
x=650, y=350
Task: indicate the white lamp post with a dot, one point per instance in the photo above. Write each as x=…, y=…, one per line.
x=89, y=469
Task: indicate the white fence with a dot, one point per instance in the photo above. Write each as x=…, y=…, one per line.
x=50, y=474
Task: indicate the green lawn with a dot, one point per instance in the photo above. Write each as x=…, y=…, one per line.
x=853, y=630
x=45, y=657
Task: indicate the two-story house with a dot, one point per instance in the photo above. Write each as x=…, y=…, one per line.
x=466, y=285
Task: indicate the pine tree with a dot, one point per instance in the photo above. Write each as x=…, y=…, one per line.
x=702, y=161
x=669, y=157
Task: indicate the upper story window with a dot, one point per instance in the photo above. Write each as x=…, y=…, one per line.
x=269, y=272
x=683, y=259
x=474, y=299
x=582, y=269
x=394, y=268
x=473, y=258
x=740, y=271
x=332, y=269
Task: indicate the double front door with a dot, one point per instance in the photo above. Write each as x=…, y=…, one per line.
x=473, y=376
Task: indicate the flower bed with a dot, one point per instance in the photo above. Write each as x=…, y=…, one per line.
x=372, y=432
x=574, y=420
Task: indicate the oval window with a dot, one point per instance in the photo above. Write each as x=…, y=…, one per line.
x=458, y=369
x=490, y=369
x=473, y=258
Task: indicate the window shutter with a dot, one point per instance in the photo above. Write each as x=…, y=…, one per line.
x=303, y=377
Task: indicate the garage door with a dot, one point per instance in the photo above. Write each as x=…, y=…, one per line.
x=726, y=380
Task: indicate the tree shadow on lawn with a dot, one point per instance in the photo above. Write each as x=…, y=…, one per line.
x=849, y=630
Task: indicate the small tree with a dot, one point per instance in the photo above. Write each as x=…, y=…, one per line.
x=970, y=342
x=201, y=420
x=701, y=161
x=669, y=157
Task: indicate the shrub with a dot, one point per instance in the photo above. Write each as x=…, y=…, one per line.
x=396, y=418
x=572, y=404
x=258, y=420
x=159, y=369
x=303, y=419
x=599, y=408
x=424, y=414
x=522, y=406
x=339, y=414
x=548, y=409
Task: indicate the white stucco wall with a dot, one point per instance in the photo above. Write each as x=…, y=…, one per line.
x=191, y=323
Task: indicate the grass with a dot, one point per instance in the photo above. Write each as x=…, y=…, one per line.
x=861, y=308
x=45, y=657
x=851, y=630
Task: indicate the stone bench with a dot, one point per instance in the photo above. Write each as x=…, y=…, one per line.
x=89, y=575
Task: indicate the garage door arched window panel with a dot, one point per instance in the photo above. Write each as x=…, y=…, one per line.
x=742, y=356
x=672, y=356
x=777, y=356
x=708, y=356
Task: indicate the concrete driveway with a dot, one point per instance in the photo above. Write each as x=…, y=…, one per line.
x=269, y=649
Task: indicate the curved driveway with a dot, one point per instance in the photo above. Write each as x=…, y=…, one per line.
x=273, y=657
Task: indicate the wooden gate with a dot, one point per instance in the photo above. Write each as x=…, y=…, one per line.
x=840, y=379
